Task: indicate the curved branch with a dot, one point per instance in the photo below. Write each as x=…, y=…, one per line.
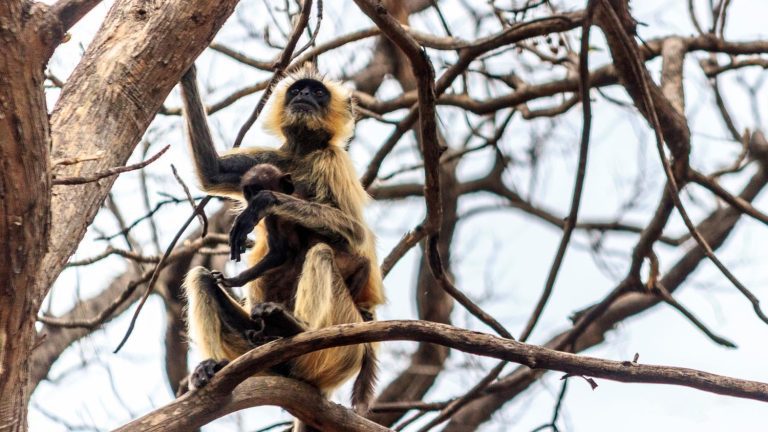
x=300, y=399
x=225, y=393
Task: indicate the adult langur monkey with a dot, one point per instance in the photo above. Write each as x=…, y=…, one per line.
x=314, y=119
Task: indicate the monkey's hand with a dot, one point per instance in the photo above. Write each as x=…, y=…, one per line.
x=204, y=371
x=244, y=223
x=225, y=281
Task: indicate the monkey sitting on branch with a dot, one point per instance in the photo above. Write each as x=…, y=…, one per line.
x=288, y=244
x=314, y=119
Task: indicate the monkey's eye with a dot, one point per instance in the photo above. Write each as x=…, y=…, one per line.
x=294, y=91
x=319, y=92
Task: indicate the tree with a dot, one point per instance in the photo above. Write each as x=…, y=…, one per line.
x=447, y=97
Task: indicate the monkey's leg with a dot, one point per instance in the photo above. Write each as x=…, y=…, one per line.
x=356, y=270
x=323, y=300
x=277, y=248
x=216, y=322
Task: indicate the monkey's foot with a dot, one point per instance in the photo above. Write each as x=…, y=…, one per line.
x=366, y=314
x=278, y=321
x=204, y=371
x=258, y=338
x=266, y=310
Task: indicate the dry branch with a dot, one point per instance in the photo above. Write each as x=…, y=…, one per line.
x=199, y=407
x=715, y=228
x=301, y=400
x=106, y=173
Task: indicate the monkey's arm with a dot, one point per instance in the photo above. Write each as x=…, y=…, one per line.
x=321, y=218
x=267, y=263
x=244, y=223
x=217, y=174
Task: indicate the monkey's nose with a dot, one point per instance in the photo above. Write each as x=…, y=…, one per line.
x=305, y=91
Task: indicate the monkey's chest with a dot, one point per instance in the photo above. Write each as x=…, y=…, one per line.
x=280, y=283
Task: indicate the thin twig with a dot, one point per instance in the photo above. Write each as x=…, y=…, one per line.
x=734, y=201
x=279, y=68
x=149, y=215
x=191, y=201
x=313, y=34
x=76, y=160
x=108, y=172
x=667, y=297
x=571, y=221
x=556, y=413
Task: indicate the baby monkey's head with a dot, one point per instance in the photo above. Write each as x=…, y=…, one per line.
x=265, y=177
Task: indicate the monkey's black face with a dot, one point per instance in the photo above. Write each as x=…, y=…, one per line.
x=307, y=96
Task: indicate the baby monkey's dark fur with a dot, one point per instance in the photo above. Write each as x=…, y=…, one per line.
x=288, y=242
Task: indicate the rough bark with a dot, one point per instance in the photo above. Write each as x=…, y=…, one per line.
x=25, y=189
x=303, y=401
x=132, y=64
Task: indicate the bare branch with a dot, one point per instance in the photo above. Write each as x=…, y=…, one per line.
x=303, y=401
x=107, y=173
x=581, y=171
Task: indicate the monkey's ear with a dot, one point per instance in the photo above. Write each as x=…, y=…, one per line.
x=286, y=184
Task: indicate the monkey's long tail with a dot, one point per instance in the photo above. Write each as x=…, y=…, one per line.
x=365, y=383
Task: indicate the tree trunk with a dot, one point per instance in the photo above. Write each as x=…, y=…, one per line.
x=24, y=201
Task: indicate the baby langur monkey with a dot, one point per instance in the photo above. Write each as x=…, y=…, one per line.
x=288, y=243
x=280, y=268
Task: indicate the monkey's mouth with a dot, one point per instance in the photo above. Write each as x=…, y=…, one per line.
x=303, y=106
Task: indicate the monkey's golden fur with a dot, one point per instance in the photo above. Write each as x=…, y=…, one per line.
x=336, y=207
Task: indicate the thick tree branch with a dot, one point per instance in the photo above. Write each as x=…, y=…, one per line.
x=303, y=401
x=111, y=97
x=199, y=407
x=25, y=194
